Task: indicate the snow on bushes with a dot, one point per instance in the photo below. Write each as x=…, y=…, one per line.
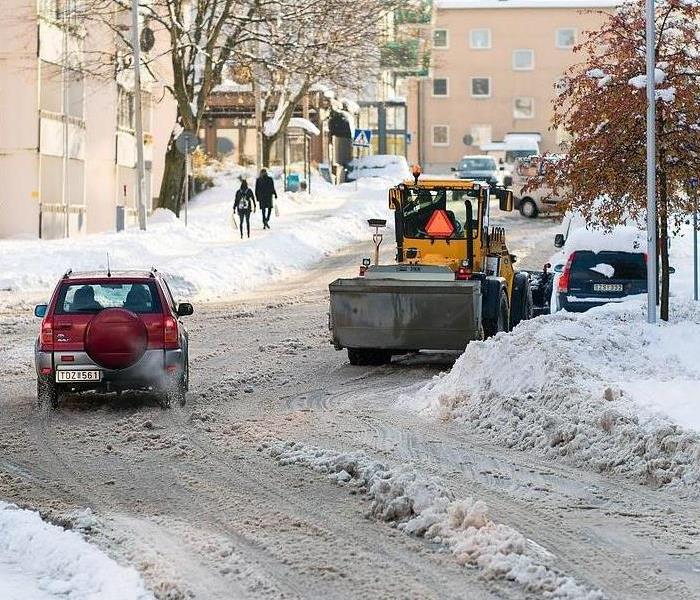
x=603, y=389
x=424, y=507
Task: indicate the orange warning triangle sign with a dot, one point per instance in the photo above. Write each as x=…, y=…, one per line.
x=439, y=225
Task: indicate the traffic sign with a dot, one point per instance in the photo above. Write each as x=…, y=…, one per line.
x=187, y=142
x=362, y=138
x=439, y=225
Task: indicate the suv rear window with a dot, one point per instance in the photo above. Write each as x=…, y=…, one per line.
x=477, y=164
x=588, y=266
x=141, y=297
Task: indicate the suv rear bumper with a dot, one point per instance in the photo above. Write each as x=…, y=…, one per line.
x=156, y=368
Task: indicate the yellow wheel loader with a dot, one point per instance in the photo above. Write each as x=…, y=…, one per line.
x=453, y=280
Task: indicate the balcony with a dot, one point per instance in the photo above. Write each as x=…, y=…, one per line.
x=405, y=57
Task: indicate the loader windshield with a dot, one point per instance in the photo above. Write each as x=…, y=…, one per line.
x=420, y=206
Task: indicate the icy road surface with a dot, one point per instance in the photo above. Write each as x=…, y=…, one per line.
x=191, y=498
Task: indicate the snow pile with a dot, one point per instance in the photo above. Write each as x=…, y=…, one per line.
x=42, y=561
x=207, y=259
x=603, y=389
x=424, y=507
x=389, y=166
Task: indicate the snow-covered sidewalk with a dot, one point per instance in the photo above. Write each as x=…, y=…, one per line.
x=45, y=562
x=207, y=260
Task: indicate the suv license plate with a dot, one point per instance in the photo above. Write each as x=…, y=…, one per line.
x=79, y=375
x=607, y=287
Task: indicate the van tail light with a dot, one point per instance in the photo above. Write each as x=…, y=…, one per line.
x=463, y=274
x=563, y=285
x=47, y=334
x=170, y=334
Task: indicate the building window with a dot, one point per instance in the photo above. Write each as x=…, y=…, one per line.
x=481, y=134
x=440, y=87
x=523, y=60
x=566, y=37
x=441, y=38
x=125, y=108
x=441, y=135
x=523, y=108
x=481, y=87
x=480, y=39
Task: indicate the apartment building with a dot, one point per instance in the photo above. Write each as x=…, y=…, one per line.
x=494, y=67
x=67, y=143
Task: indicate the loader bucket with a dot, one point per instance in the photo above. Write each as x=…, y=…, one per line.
x=394, y=314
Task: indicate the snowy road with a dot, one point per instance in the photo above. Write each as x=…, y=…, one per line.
x=188, y=497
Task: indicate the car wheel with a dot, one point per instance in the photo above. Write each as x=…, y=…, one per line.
x=177, y=395
x=46, y=392
x=528, y=208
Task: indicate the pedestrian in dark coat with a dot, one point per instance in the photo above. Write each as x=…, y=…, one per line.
x=244, y=204
x=265, y=190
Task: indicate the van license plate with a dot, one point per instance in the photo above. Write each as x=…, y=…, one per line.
x=78, y=375
x=607, y=287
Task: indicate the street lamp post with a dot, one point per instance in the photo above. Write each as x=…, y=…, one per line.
x=652, y=280
x=140, y=174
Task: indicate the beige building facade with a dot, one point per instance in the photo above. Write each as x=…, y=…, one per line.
x=67, y=143
x=494, y=67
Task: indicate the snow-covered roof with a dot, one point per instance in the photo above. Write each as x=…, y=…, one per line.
x=304, y=124
x=456, y=4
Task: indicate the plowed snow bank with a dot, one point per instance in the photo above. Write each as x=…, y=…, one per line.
x=423, y=507
x=43, y=562
x=602, y=388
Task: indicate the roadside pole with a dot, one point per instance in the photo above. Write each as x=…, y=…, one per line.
x=652, y=281
x=140, y=175
x=186, y=143
x=693, y=184
x=187, y=179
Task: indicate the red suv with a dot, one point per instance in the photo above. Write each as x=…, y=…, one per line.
x=112, y=332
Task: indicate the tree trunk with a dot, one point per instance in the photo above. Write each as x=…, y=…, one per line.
x=172, y=184
x=267, y=143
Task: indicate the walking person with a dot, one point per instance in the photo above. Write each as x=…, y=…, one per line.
x=264, y=191
x=244, y=204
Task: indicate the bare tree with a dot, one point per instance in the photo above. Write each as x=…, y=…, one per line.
x=302, y=43
x=198, y=37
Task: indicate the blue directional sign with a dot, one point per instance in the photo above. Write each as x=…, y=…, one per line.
x=362, y=138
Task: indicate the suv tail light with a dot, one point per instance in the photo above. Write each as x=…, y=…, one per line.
x=171, y=339
x=47, y=334
x=563, y=285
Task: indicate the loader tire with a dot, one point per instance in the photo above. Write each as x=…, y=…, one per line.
x=502, y=320
x=521, y=308
x=368, y=356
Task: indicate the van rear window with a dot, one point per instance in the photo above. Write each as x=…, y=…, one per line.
x=588, y=266
x=141, y=298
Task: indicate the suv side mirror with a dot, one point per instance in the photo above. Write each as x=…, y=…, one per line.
x=559, y=240
x=185, y=309
x=453, y=169
x=671, y=270
x=40, y=310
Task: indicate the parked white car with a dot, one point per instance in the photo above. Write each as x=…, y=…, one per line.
x=391, y=166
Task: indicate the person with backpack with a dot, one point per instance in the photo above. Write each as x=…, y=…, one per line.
x=244, y=204
x=264, y=191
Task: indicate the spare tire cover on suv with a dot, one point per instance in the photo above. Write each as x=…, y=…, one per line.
x=116, y=338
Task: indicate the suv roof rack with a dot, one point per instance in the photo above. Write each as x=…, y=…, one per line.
x=66, y=275
x=153, y=271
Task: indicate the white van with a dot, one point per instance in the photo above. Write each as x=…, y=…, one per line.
x=533, y=202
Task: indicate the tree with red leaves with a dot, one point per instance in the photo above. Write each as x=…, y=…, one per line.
x=601, y=103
